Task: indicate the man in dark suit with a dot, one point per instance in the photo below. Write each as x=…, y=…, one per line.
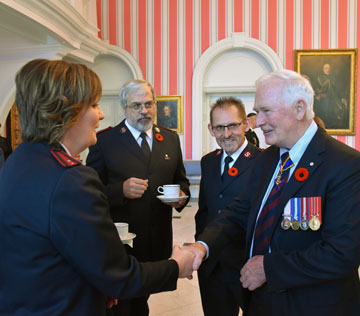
x=221, y=181
x=303, y=248
x=133, y=159
x=250, y=133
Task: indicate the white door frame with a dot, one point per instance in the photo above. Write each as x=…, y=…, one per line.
x=238, y=41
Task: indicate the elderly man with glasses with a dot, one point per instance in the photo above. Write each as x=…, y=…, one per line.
x=133, y=159
x=224, y=173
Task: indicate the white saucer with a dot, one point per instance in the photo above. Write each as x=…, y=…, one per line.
x=129, y=236
x=171, y=199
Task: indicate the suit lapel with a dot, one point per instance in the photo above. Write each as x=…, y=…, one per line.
x=310, y=161
x=268, y=163
x=129, y=142
x=156, y=147
x=241, y=164
x=216, y=167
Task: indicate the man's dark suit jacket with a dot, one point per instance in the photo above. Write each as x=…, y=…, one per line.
x=60, y=251
x=117, y=157
x=214, y=196
x=308, y=272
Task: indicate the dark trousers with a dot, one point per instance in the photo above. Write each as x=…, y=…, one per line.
x=219, y=297
x=132, y=307
x=260, y=303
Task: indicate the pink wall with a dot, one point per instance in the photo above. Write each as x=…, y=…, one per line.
x=167, y=37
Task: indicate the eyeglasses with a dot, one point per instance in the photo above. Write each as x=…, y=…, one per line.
x=221, y=128
x=137, y=106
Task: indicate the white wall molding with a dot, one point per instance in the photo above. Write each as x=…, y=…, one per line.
x=51, y=29
x=58, y=18
x=238, y=41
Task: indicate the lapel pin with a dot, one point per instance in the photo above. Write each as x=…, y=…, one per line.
x=159, y=137
x=247, y=154
x=301, y=174
x=167, y=157
x=311, y=164
x=233, y=172
x=157, y=130
x=123, y=130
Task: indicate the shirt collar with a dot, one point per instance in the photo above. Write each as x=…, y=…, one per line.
x=136, y=133
x=237, y=153
x=65, y=148
x=299, y=148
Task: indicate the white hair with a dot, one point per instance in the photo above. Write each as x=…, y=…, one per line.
x=295, y=87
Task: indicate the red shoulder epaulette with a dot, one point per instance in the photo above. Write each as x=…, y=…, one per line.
x=104, y=130
x=64, y=159
x=217, y=152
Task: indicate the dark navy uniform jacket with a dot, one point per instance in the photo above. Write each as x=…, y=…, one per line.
x=215, y=196
x=116, y=157
x=60, y=253
x=308, y=272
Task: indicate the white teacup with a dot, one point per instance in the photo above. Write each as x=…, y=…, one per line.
x=170, y=190
x=123, y=229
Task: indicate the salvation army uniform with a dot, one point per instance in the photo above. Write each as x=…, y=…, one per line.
x=313, y=271
x=60, y=251
x=116, y=157
x=221, y=274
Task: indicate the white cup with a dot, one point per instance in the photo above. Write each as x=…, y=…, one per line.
x=123, y=229
x=170, y=190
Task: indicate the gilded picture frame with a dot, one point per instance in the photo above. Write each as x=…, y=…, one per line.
x=169, y=112
x=332, y=74
x=15, y=127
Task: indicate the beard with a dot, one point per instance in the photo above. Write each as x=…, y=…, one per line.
x=143, y=127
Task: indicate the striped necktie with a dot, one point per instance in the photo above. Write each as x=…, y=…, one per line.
x=266, y=218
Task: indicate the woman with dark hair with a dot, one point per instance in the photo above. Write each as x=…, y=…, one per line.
x=60, y=251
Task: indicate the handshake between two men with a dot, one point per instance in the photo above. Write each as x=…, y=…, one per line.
x=190, y=257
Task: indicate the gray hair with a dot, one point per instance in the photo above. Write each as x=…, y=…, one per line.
x=295, y=87
x=134, y=87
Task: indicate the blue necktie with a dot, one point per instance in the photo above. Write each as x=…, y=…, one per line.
x=266, y=218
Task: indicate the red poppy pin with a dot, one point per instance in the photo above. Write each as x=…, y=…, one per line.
x=233, y=172
x=159, y=137
x=247, y=154
x=301, y=174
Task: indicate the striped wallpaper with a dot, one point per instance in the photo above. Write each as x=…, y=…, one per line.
x=167, y=37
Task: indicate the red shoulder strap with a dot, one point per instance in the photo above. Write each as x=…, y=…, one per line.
x=64, y=159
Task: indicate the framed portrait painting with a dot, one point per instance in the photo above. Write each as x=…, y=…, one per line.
x=169, y=112
x=332, y=74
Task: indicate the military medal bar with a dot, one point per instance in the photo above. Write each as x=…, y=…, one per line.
x=302, y=213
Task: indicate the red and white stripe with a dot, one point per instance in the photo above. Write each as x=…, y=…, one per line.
x=167, y=37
